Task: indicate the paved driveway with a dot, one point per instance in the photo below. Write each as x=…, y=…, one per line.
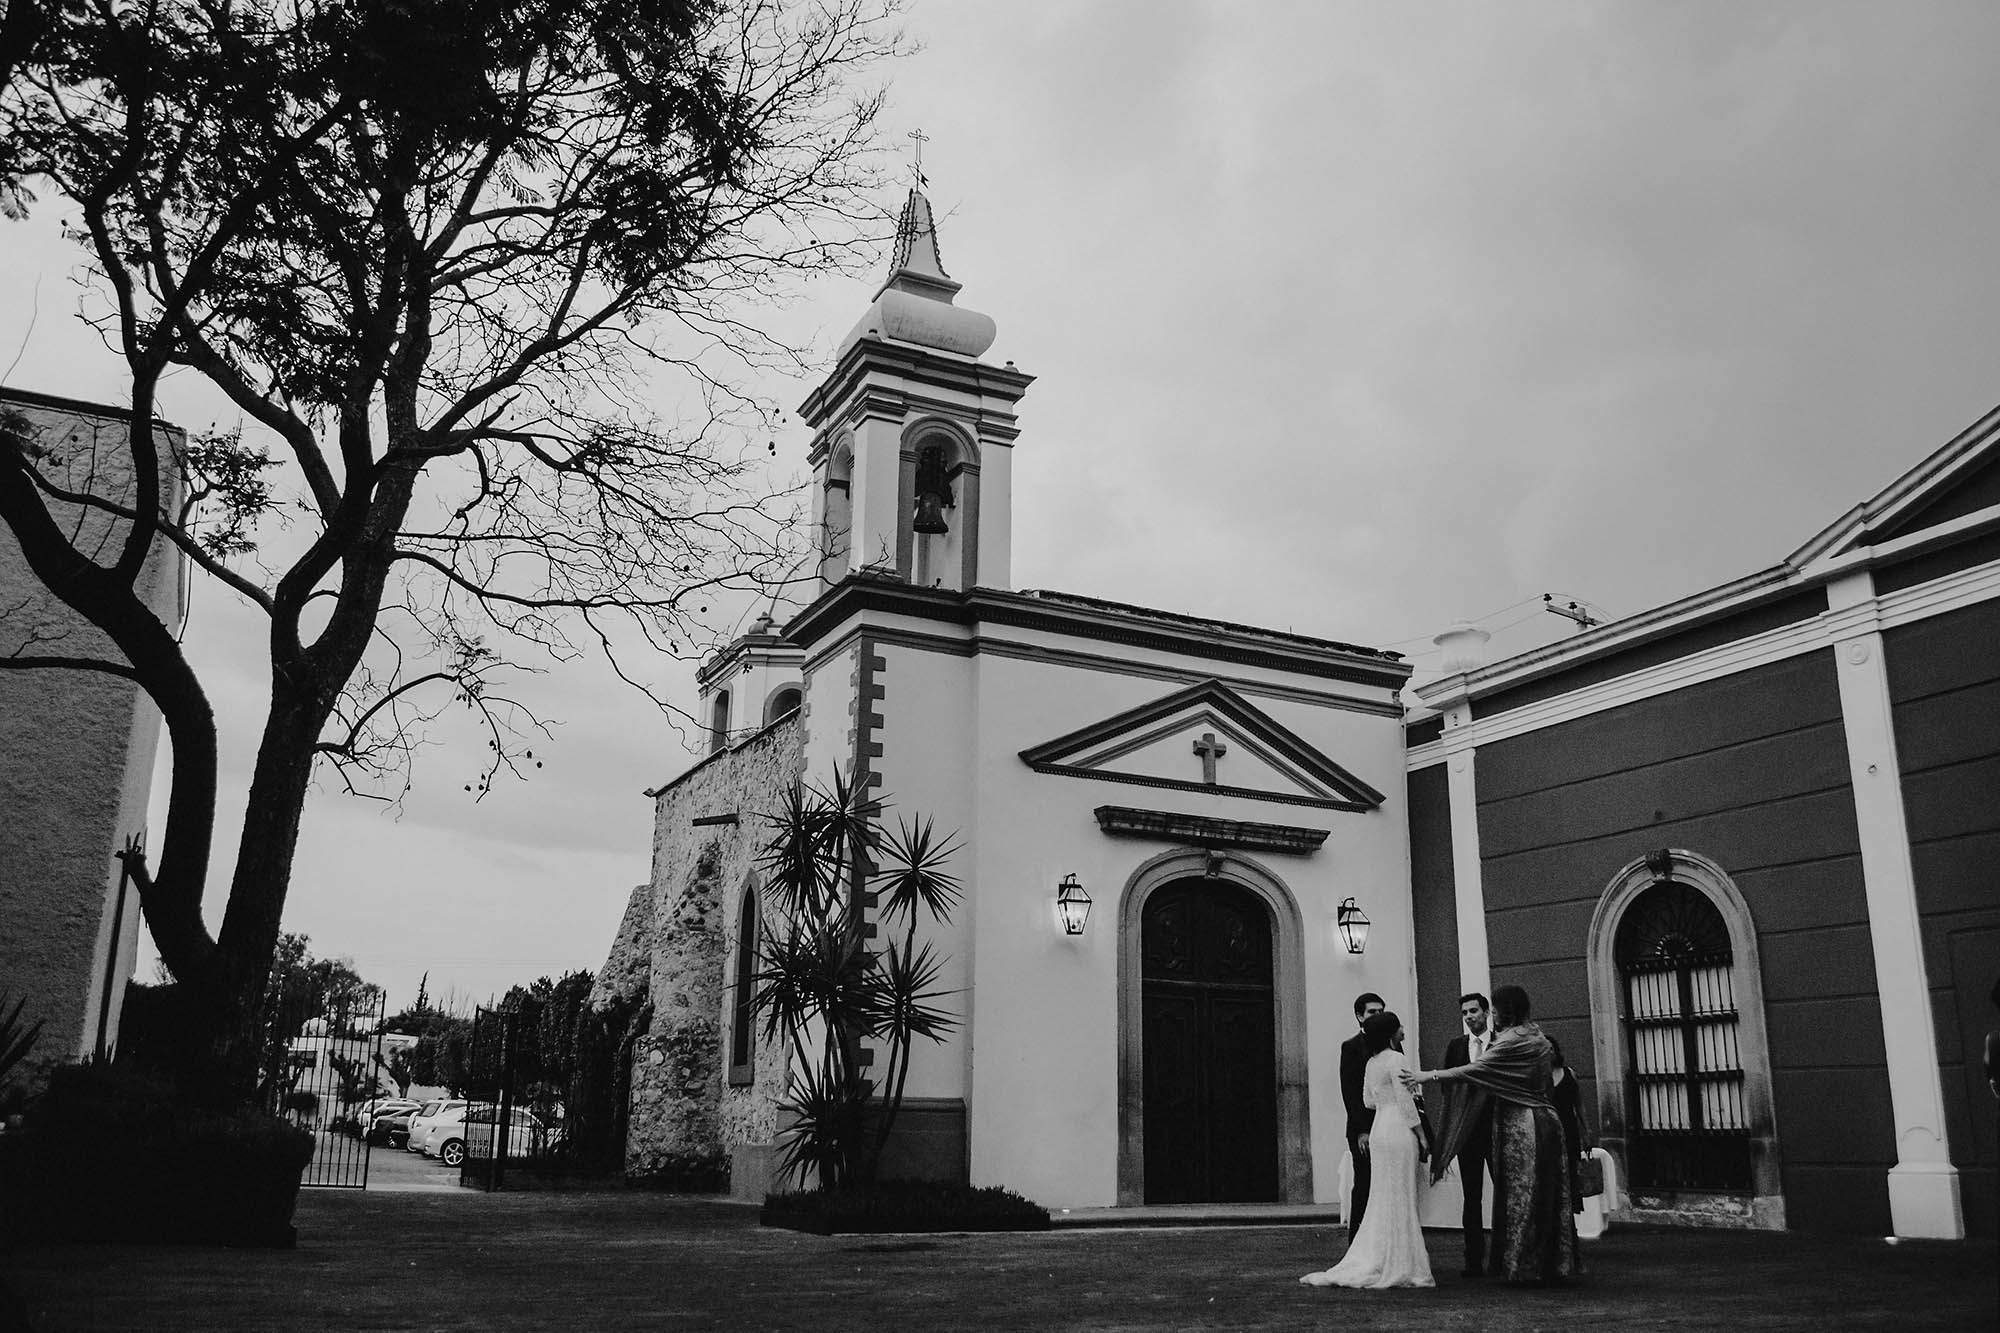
x=445, y=1260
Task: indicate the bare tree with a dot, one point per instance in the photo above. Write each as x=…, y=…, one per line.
x=436, y=253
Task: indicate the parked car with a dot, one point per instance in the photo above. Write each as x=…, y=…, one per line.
x=470, y=1128
x=364, y=1116
x=422, y=1122
x=391, y=1129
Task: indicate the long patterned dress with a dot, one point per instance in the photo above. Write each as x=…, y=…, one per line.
x=1534, y=1231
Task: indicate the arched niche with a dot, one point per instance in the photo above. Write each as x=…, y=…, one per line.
x=718, y=721
x=948, y=559
x=836, y=509
x=782, y=700
x=1612, y=1042
x=1295, y=1173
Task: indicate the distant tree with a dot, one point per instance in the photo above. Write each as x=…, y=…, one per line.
x=433, y=252
x=399, y=1068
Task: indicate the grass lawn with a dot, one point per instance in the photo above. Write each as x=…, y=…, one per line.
x=638, y=1260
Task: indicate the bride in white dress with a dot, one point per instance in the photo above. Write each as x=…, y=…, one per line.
x=1388, y=1249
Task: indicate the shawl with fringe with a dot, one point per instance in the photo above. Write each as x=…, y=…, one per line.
x=1515, y=1069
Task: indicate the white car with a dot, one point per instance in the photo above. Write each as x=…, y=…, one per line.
x=454, y=1133
x=424, y=1120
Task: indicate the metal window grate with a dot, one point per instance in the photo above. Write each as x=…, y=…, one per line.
x=1689, y=1119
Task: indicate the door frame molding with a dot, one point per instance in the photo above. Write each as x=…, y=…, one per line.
x=1288, y=998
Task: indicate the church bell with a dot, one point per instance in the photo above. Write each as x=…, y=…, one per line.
x=930, y=513
x=933, y=492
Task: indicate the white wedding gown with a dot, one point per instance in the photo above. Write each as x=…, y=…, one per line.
x=1388, y=1249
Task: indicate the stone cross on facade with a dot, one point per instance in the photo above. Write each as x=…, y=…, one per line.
x=1210, y=750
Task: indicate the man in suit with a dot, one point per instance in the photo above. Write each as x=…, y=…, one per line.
x=1353, y=1065
x=1463, y=1050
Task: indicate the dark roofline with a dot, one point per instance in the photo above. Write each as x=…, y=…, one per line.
x=1207, y=622
x=30, y=398
x=1101, y=621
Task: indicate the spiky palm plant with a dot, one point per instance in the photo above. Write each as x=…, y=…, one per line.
x=823, y=990
x=16, y=1038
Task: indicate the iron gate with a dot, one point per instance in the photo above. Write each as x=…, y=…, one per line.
x=318, y=1071
x=546, y=1095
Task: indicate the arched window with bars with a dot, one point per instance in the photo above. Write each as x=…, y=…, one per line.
x=1689, y=1126
x=1683, y=1069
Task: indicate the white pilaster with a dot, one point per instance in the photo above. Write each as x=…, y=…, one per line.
x=1923, y=1185
x=875, y=505
x=1460, y=750
x=996, y=518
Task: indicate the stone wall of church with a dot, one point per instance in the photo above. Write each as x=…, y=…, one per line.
x=685, y=1121
x=1944, y=685
x=1751, y=771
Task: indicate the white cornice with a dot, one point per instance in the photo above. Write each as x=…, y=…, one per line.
x=1905, y=606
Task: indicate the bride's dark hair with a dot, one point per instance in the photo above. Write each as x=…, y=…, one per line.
x=1379, y=1031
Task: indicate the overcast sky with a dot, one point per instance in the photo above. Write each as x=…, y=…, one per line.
x=1348, y=318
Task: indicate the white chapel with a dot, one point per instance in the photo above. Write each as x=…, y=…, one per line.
x=1738, y=847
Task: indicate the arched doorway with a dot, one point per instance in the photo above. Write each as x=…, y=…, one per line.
x=1209, y=1029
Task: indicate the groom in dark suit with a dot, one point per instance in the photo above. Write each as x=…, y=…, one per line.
x=1353, y=1065
x=1463, y=1050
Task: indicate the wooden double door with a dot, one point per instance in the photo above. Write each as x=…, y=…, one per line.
x=1209, y=1045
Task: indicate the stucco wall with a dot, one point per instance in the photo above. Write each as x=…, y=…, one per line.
x=76, y=761
x=1045, y=1086
x=1944, y=683
x=1751, y=771
x=682, y=1115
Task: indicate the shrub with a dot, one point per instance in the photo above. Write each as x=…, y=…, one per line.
x=109, y=1153
x=903, y=1205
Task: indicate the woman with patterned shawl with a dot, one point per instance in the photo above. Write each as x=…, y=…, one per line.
x=1534, y=1233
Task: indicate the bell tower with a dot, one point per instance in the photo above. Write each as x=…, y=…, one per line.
x=913, y=434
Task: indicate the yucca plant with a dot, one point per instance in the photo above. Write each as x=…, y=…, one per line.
x=16, y=1038
x=824, y=990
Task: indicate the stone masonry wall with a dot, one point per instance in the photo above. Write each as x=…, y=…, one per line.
x=684, y=1121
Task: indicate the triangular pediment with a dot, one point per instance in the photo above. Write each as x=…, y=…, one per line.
x=1206, y=738
x=1956, y=482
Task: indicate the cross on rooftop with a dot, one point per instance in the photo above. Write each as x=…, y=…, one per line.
x=1210, y=750
x=920, y=139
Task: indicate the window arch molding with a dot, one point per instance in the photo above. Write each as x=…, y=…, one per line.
x=1608, y=1040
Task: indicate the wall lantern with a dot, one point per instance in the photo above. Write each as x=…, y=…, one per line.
x=1353, y=925
x=1072, y=905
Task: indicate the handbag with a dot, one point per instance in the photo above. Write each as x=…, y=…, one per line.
x=1590, y=1176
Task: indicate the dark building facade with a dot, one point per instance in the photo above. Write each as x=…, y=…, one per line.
x=1739, y=849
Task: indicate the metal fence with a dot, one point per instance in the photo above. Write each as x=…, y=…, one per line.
x=317, y=1072
x=547, y=1101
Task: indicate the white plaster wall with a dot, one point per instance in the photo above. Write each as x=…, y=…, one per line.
x=875, y=512
x=926, y=736
x=79, y=748
x=1044, y=1116
x=996, y=515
